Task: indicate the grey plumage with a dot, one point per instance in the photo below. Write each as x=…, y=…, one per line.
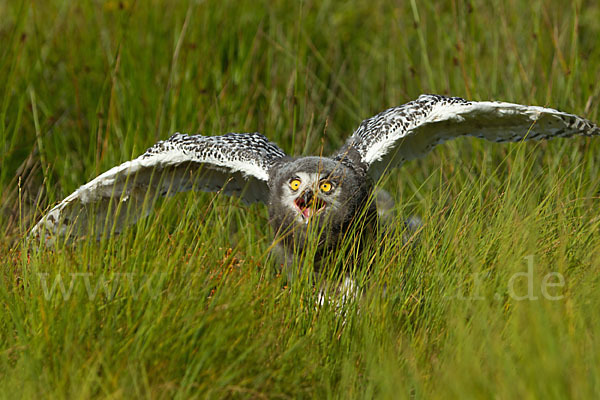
x=332, y=191
x=346, y=207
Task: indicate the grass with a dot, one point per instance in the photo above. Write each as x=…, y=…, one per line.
x=187, y=304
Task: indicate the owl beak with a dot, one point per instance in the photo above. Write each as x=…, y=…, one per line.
x=308, y=204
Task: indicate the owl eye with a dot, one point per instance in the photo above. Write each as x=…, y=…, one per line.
x=295, y=184
x=325, y=187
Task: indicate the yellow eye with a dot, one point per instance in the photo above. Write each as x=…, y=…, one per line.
x=295, y=184
x=325, y=187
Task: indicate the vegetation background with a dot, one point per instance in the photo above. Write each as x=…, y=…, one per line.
x=187, y=304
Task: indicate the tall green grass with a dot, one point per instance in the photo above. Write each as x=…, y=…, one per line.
x=188, y=303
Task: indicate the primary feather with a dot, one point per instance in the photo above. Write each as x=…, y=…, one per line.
x=235, y=163
x=409, y=131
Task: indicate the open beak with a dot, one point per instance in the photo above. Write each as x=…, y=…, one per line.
x=308, y=204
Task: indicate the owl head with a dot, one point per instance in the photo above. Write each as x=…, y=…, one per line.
x=314, y=191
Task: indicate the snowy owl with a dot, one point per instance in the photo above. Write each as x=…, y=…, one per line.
x=331, y=194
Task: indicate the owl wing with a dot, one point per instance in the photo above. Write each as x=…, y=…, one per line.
x=235, y=164
x=411, y=130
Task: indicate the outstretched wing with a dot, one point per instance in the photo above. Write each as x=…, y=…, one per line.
x=411, y=130
x=235, y=164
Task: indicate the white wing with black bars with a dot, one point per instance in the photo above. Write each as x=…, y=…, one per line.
x=409, y=131
x=235, y=164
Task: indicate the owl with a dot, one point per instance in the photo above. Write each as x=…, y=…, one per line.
x=329, y=195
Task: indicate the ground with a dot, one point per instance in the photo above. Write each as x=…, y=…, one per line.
x=498, y=298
